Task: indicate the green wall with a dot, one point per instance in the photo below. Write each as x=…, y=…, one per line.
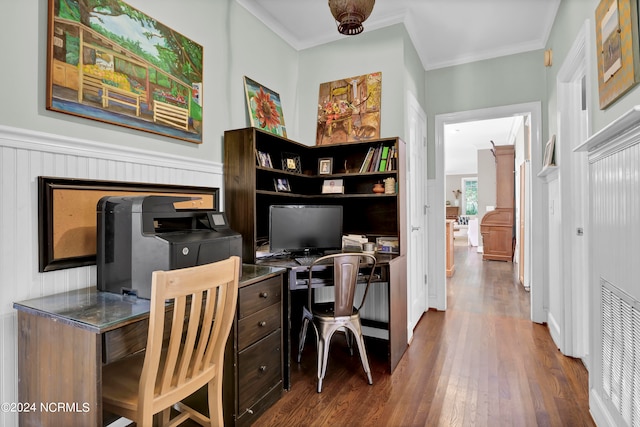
x=235, y=44
x=507, y=80
x=569, y=21
x=382, y=50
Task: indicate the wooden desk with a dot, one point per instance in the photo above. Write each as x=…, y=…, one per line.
x=64, y=340
x=392, y=274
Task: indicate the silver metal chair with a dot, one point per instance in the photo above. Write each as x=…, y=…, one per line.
x=341, y=312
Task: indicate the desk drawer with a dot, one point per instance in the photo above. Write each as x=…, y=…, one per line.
x=258, y=325
x=261, y=295
x=259, y=369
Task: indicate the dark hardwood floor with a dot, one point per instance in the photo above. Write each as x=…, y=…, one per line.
x=480, y=363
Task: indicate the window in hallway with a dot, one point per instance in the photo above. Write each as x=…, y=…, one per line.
x=469, y=196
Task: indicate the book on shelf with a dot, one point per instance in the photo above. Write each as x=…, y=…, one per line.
x=367, y=160
x=383, y=159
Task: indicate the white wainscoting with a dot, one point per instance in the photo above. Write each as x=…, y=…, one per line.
x=25, y=155
x=614, y=217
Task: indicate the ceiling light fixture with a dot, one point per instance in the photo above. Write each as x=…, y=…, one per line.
x=350, y=14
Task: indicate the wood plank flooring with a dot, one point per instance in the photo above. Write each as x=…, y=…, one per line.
x=480, y=363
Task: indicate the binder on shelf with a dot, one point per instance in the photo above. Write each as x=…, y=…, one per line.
x=383, y=159
x=376, y=160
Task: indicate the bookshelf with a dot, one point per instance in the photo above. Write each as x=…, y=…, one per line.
x=250, y=187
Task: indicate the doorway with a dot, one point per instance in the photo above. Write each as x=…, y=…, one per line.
x=437, y=216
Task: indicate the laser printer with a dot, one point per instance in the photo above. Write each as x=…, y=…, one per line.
x=137, y=235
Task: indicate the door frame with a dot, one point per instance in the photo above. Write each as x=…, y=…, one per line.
x=438, y=290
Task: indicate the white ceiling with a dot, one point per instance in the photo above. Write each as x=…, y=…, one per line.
x=463, y=140
x=444, y=33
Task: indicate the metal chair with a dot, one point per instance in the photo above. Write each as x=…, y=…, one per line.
x=204, y=303
x=341, y=313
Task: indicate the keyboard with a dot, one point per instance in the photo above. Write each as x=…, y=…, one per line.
x=306, y=260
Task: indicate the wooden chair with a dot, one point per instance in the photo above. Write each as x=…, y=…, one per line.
x=327, y=318
x=204, y=302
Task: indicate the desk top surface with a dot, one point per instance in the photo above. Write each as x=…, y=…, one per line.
x=99, y=312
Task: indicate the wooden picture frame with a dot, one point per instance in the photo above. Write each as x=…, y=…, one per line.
x=107, y=69
x=325, y=166
x=617, y=49
x=281, y=185
x=549, y=153
x=67, y=215
x=271, y=119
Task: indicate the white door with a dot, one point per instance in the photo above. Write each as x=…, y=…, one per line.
x=416, y=184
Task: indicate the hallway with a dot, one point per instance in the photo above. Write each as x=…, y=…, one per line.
x=481, y=363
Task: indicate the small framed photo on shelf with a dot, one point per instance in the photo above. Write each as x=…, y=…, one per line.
x=264, y=159
x=291, y=163
x=549, y=152
x=325, y=166
x=281, y=185
x=332, y=186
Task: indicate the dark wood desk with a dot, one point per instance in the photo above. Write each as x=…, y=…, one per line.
x=392, y=272
x=64, y=340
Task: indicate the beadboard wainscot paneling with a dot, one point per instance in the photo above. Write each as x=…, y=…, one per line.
x=25, y=155
x=614, y=218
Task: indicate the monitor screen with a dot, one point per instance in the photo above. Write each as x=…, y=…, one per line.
x=305, y=228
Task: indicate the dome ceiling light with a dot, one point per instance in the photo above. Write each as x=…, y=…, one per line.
x=350, y=14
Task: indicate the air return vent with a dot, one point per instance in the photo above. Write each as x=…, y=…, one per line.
x=621, y=352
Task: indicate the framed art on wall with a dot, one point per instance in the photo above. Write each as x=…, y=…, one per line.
x=349, y=109
x=265, y=108
x=102, y=65
x=617, y=48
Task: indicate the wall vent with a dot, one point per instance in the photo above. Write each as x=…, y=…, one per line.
x=621, y=352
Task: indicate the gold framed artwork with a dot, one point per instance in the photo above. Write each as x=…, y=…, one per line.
x=349, y=109
x=617, y=48
x=265, y=108
x=108, y=61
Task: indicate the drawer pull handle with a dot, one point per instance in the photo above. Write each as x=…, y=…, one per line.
x=263, y=368
x=263, y=323
x=264, y=294
x=250, y=411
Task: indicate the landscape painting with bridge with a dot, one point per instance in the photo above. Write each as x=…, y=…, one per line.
x=108, y=61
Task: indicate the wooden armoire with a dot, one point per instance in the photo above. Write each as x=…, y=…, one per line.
x=497, y=226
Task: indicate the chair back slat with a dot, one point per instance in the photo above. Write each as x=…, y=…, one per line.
x=345, y=276
x=209, y=293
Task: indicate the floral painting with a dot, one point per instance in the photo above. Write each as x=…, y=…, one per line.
x=110, y=62
x=349, y=109
x=265, y=108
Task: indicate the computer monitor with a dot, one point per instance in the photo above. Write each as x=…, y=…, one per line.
x=305, y=228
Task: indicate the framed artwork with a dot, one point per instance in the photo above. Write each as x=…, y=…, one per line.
x=549, y=153
x=291, y=163
x=349, y=109
x=281, y=185
x=617, y=48
x=265, y=108
x=67, y=231
x=109, y=62
x=325, y=166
